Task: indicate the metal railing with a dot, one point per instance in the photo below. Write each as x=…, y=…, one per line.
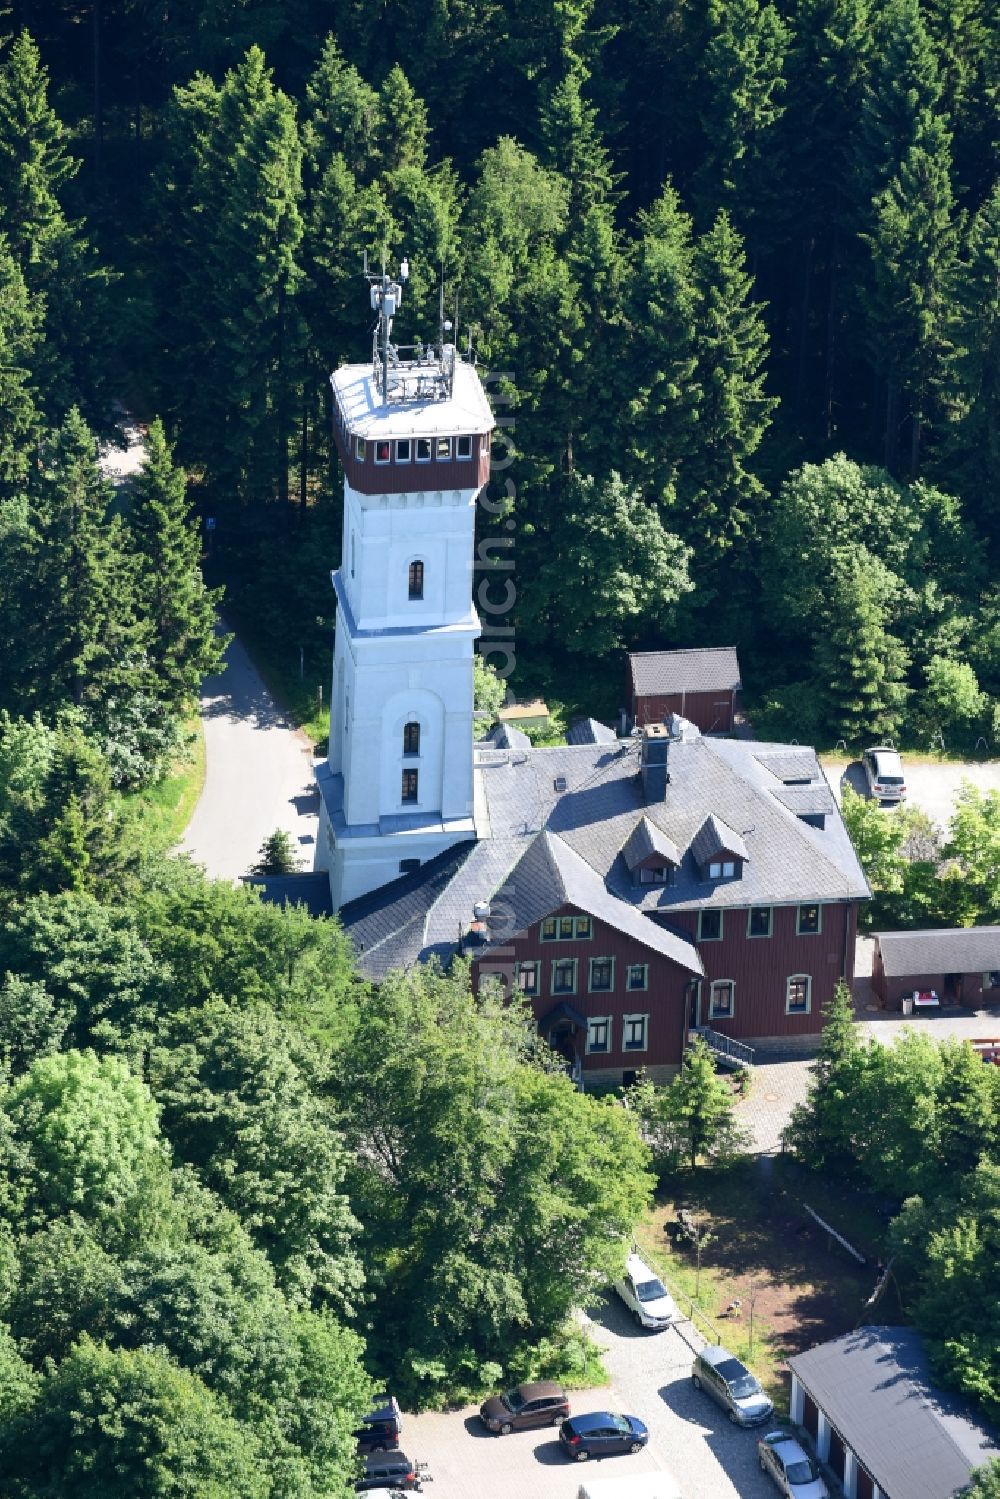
x=735, y=1053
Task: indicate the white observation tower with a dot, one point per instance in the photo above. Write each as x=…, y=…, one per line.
x=413, y=432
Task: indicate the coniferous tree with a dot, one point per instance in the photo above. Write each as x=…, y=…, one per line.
x=81, y=638
x=235, y=225
x=663, y=310
x=861, y=665
x=52, y=252
x=974, y=449
x=718, y=494
x=742, y=102
x=171, y=593
x=20, y=319
x=913, y=246
x=902, y=88
x=826, y=63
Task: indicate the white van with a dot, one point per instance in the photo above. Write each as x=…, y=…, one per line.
x=645, y=1295
x=637, y=1486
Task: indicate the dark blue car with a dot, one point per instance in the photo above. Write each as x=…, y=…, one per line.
x=601, y=1434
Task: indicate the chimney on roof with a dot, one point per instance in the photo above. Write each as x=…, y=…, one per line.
x=658, y=740
x=653, y=764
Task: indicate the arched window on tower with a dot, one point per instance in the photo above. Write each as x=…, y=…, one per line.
x=416, y=580
x=411, y=739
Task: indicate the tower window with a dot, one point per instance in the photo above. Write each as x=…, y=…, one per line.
x=383, y=452
x=463, y=447
x=423, y=450
x=403, y=450
x=416, y=580
x=354, y=553
x=359, y=448
x=409, y=786
x=444, y=447
x=411, y=739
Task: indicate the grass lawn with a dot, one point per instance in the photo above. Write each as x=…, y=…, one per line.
x=164, y=810
x=765, y=1248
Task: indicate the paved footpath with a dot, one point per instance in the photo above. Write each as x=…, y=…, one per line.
x=259, y=774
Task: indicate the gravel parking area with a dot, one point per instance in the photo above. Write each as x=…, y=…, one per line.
x=930, y=784
x=650, y=1378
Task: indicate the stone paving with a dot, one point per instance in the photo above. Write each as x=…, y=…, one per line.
x=778, y=1085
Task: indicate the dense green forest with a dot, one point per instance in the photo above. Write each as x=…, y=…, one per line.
x=736, y=264
x=734, y=272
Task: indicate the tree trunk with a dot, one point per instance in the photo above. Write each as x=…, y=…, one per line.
x=800, y=363
x=98, y=112
x=304, y=453
x=137, y=125
x=916, y=432
x=831, y=339
x=891, y=436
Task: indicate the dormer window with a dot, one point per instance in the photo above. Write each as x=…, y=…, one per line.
x=723, y=869
x=416, y=580
x=657, y=874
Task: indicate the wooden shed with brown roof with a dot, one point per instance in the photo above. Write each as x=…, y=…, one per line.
x=701, y=685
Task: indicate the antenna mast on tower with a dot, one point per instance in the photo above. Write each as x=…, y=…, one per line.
x=414, y=372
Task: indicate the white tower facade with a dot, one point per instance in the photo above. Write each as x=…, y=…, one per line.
x=413, y=436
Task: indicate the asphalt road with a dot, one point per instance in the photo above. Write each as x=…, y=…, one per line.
x=650, y=1378
x=259, y=774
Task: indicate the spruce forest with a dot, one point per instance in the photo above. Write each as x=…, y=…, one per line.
x=733, y=271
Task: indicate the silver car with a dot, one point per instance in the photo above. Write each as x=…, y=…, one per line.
x=884, y=773
x=791, y=1467
x=720, y=1374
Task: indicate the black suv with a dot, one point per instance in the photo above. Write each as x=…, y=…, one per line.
x=391, y=1470
x=379, y=1431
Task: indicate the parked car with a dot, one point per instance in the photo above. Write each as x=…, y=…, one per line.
x=542, y=1404
x=645, y=1295
x=391, y=1470
x=379, y=1431
x=884, y=773
x=791, y=1467
x=601, y=1434
x=722, y=1376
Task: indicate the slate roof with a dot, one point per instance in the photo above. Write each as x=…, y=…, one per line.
x=549, y=874
x=645, y=840
x=310, y=888
x=713, y=837
x=656, y=673
x=588, y=825
x=873, y=1385
x=387, y=925
x=505, y=736
x=589, y=731
x=973, y=949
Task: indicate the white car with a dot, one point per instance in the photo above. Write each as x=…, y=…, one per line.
x=792, y=1469
x=884, y=773
x=645, y=1295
